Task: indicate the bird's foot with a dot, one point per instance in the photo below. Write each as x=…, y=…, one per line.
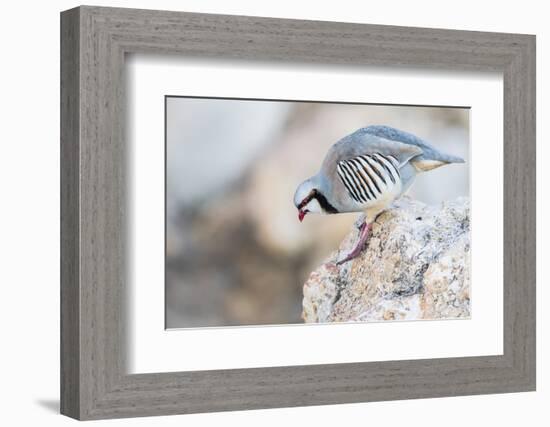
x=364, y=233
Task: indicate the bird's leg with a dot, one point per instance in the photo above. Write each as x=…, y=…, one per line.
x=364, y=233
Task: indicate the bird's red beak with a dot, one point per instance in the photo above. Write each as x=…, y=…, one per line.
x=301, y=215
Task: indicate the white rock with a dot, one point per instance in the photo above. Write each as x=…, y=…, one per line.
x=416, y=266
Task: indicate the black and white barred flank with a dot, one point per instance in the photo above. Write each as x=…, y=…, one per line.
x=369, y=177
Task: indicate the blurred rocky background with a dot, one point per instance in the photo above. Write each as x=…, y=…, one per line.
x=236, y=253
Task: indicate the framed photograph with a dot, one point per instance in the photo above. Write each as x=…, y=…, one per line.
x=262, y=213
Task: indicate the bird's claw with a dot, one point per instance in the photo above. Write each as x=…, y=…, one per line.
x=352, y=255
x=332, y=267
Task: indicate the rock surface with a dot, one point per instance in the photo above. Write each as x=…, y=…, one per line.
x=416, y=266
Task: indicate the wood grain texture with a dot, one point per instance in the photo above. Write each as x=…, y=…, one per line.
x=94, y=272
x=70, y=221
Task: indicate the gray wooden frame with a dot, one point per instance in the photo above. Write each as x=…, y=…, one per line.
x=94, y=41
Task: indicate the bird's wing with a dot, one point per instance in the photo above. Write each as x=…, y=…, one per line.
x=361, y=143
x=358, y=160
x=430, y=157
x=367, y=177
x=405, y=147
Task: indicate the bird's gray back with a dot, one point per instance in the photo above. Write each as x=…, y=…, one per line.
x=361, y=142
x=384, y=140
x=428, y=151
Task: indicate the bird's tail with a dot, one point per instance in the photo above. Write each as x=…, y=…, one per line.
x=423, y=164
x=447, y=158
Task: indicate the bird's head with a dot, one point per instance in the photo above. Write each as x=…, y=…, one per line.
x=310, y=199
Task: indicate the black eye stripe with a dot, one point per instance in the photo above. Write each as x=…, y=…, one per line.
x=306, y=200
